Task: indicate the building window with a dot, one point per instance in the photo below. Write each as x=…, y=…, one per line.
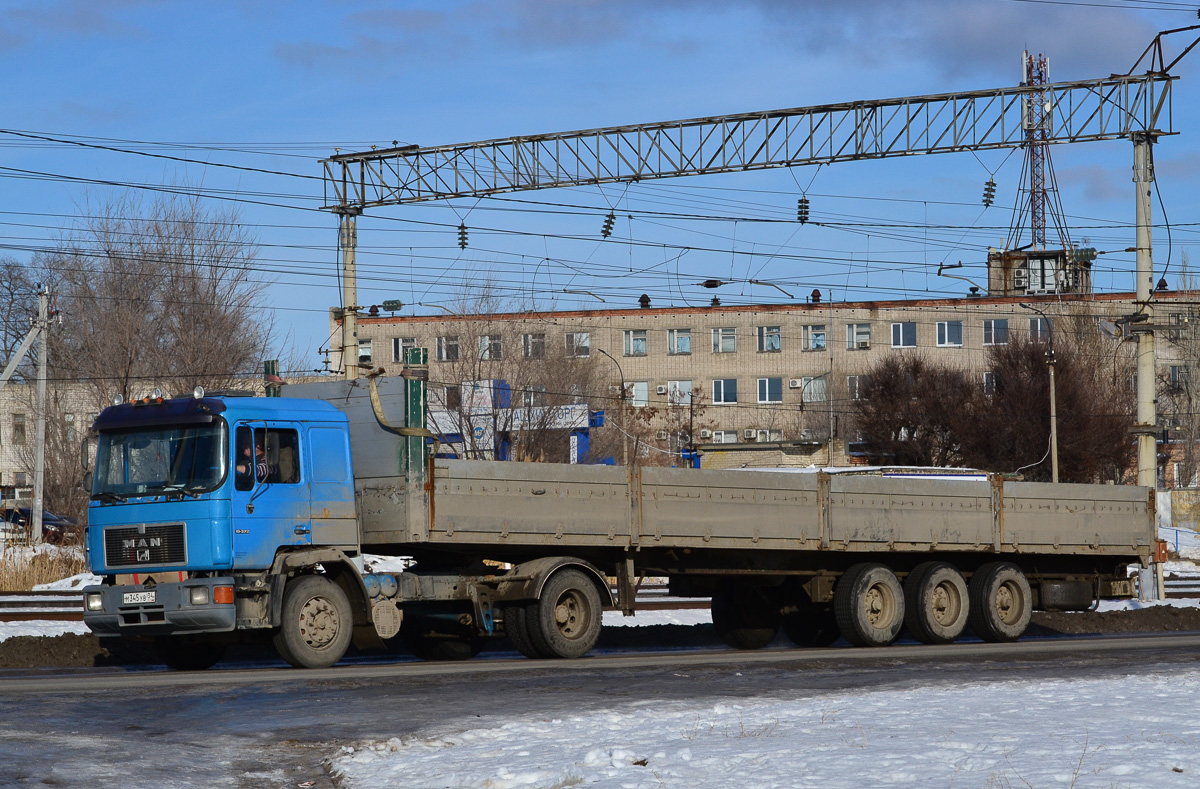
x=679, y=341
x=635, y=342
x=813, y=390
x=20, y=479
x=725, y=390
x=1039, y=329
x=364, y=352
x=679, y=392
x=447, y=349
x=995, y=331
x=579, y=344
x=858, y=336
x=904, y=335
x=812, y=338
x=491, y=348
x=18, y=430
x=533, y=346
x=724, y=340
x=637, y=393
x=725, y=437
x=400, y=346
x=1176, y=319
x=856, y=386
x=949, y=334
x=453, y=396
x=69, y=419
x=1179, y=375
x=769, y=339
x=770, y=390
x=989, y=382
x=534, y=396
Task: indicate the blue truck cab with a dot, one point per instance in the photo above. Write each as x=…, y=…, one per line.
x=198, y=503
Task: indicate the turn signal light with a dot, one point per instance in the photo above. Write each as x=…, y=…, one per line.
x=223, y=595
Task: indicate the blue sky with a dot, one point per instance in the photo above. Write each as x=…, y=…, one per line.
x=277, y=86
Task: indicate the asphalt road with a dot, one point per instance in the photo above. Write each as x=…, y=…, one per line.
x=261, y=726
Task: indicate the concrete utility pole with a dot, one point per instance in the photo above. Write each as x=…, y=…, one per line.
x=348, y=241
x=39, y=446
x=1143, y=178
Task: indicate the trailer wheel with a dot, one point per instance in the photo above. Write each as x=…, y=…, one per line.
x=869, y=605
x=565, y=621
x=516, y=627
x=935, y=603
x=1001, y=602
x=317, y=623
x=189, y=654
x=745, y=616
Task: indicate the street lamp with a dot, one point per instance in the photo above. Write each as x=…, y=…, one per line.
x=1053, y=405
x=621, y=427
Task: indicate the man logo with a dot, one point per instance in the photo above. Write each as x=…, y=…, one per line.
x=142, y=542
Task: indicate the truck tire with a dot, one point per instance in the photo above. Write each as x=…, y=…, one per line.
x=188, y=654
x=317, y=623
x=516, y=627
x=745, y=616
x=565, y=620
x=869, y=605
x=935, y=603
x=1001, y=602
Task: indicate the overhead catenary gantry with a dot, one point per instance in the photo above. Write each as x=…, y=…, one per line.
x=1130, y=106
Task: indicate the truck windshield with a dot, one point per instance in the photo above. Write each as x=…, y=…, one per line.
x=189, y=458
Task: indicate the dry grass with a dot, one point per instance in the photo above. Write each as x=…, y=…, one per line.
x=23, y=568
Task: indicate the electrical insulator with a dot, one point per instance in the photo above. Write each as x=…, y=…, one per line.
x=462, y=235
x=989, y=193
x=802, y=210
x=606, y=231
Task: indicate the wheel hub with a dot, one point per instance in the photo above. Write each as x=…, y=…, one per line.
x=568, y=616
x=318, y=623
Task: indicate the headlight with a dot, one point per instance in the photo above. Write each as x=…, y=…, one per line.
x=198, y=595
x=95, y=601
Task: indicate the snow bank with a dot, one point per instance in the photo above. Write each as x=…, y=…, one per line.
x=1137, y=730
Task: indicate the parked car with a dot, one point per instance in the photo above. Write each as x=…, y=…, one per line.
x=56, y=529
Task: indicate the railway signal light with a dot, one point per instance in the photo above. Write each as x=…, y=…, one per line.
x=989, y=193
x=462, y=235
x=802, y=210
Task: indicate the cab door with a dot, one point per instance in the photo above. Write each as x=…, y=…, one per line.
x=271, y=504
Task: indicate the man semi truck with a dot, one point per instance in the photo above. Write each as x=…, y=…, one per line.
x=203, y=541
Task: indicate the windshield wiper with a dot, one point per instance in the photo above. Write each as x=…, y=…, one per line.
x=108, y=497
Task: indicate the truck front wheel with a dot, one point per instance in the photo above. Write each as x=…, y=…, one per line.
x=317, y=623
x=565, y=621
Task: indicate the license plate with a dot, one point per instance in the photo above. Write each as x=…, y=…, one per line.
x=132, y=598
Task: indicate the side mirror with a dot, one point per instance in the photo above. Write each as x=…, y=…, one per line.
x=84, y=456
x=87, y=481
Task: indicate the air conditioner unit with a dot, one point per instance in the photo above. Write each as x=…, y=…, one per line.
x=660, y=389
x=863, y=345
x=795, y=383
x=749, y=433
x=1020, y=279
x=662, y=435
x=706, y=434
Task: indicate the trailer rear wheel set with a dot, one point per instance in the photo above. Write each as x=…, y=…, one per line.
x=871, y=608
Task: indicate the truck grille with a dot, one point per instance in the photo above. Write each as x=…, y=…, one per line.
x=156, y=544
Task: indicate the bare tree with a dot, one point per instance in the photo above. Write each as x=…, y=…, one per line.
x=1178, y=389
x=910, y=411
x=18, y=305
x=160, y=293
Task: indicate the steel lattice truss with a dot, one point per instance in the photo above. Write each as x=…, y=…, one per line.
x=1103, y=109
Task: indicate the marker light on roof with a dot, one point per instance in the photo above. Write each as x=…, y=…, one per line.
x=198, y=392
x=156, y=394
x=117, y=399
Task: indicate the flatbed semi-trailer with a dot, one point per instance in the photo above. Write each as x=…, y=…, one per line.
x=529, y=550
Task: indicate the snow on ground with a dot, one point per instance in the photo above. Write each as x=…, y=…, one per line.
x=1137, y=730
